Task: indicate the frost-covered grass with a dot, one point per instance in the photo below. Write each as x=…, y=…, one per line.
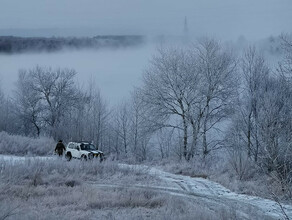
x=21, y=145
x=213, y=167
x=57, y=189
x=254, y=182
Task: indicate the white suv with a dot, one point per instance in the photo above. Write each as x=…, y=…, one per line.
x=82, y=150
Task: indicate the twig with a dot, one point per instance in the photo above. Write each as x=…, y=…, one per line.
x=276, y=199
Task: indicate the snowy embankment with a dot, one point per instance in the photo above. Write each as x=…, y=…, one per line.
x=203, y=191
x=215, y=194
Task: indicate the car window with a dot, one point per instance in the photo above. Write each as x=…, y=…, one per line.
x=71, y=146
x=87, y=147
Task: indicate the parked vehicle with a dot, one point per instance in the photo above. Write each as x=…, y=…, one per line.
x=83, y=150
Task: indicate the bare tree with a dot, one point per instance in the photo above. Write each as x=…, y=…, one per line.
x=141, y=128
x=8, y=119
x=88, y=117
x=98, y=114
x=165, y=139
x=122, y=122
x=235, y=146
x=285, y=66
x=262, y=121
x=58, y=93
x=217, y=67
x=276, y=131
x=255, y=72
x=168, y=90
x=28, y=102
x=45, y=97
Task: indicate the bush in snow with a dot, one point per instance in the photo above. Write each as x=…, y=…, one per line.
x=20, y=145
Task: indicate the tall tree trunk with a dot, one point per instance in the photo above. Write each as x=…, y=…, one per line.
x=196, y=129
x=38, y=130
x=205, y=144
x=249, y=134
x=185, y=138
x=256, y=136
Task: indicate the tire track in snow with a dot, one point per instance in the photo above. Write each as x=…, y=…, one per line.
x=214, y=193
x=208, y=202
x=201, y=190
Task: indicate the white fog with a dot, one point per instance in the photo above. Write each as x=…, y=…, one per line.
x=115, y=72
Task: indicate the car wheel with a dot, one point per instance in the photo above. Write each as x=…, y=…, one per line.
x=68, y=156
x=101, y=157
x=83, y=157
x=90, y=156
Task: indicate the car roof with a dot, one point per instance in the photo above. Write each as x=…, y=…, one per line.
x=80, y=142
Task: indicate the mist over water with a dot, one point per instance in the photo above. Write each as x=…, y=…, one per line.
x=114, y=71
x=117, y=71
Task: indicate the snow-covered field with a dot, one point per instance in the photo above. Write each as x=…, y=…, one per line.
x=214, y=194
x=199, y=192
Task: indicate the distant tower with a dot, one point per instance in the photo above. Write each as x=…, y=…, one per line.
x=186, y=28
x=186, y=31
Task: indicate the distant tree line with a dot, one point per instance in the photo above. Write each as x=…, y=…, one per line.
x=10, y=44
x=193, y=102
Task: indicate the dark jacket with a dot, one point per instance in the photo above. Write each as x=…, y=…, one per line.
x=60, y=147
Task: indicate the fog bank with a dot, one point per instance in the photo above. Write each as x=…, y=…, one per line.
x=115, y=72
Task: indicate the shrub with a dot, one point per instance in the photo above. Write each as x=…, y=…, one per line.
x=20, y=145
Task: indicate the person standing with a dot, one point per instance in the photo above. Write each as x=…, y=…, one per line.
x=60, y=148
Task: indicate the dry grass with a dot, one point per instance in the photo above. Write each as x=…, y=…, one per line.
x=21, y=145
x=57, y=189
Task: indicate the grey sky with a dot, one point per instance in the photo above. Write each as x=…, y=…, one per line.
x=224, y=18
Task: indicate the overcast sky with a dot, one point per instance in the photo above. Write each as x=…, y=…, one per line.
x=221, y=18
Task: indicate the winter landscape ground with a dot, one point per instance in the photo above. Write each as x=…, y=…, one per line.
x=50, y=187
x=189, y=102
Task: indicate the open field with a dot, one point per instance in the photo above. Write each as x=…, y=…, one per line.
x=48, y=187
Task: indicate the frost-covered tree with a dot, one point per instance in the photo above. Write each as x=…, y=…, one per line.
x=96, y=116
x=261, y=125
x=8, y=120
x=29, y=105
x=190, y=90
x=255, y=73
x=168, y=90
x=122, y=125
x=141, y=128
x=58, y=93
x=45, y=97
x=285, y=66
x=218, y=69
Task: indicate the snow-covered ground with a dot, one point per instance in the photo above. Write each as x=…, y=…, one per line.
x=203, y=191
x=17, y=159
x=214, y=194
